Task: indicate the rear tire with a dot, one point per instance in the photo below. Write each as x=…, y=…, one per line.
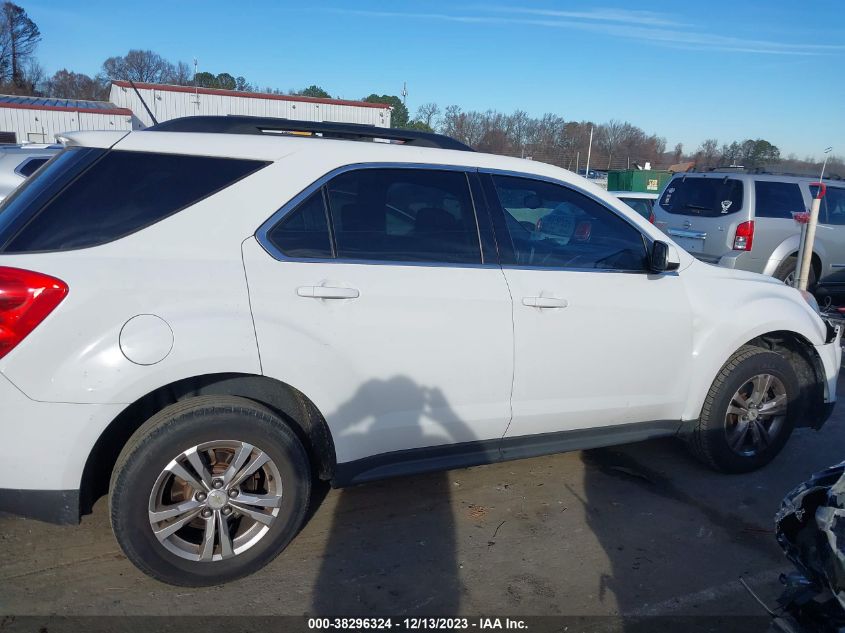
x=787, y=270
x=242, y=495
x=749, y=412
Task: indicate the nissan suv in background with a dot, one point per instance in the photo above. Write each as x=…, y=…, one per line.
x=745, y=221
x=202, y=318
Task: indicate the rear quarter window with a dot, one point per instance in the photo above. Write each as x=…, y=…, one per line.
x=777, y=199
x=704, y=197
x=87, y=197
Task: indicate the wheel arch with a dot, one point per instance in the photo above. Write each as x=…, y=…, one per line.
x=283, y=399
x=802, y=356
x=789, y=248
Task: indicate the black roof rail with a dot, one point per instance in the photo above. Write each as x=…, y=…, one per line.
x=238, y=124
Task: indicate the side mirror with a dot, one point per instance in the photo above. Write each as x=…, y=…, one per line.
x=661, y=259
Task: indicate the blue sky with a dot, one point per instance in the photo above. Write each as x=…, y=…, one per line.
x=685, y=70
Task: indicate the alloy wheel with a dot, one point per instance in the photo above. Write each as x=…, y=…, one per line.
x=215, y=500
x=756, y=415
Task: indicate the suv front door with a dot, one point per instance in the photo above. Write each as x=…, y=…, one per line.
x=598, y=341
x=371, y=296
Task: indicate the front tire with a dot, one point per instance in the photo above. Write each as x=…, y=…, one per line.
x=749, y=412
x=208, y=490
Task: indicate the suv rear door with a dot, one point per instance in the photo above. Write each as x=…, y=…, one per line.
x=373, y=296
x=701, y=213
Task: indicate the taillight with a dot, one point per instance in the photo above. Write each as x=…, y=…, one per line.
x=744, y=237
x=651, y=217
x=26, y=298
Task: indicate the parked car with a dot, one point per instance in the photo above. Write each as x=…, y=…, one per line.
x=745, y=221
x=203, y=317
x=19, y=162
x=591, y=174
x=641, y=202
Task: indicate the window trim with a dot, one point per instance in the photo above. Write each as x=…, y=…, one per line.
x=497, y=208
x=261, y=235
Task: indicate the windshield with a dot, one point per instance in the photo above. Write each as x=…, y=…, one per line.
x=705, y=197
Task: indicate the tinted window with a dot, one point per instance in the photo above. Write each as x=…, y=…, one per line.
x=412, y=215
x=554, y=226
x=706, y=197
x=640, y=205
x=30, y=166
x=91, y=197
x=834, y=201
x=777, y=199
x=304, y=232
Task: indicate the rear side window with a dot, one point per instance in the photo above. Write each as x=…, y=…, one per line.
x=777, y=199
x=833, y=203
x=704, y=197
x=409, y=215
x=88, y=197
x=304, y=232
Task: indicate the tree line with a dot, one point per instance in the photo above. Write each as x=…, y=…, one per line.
x=548, y=138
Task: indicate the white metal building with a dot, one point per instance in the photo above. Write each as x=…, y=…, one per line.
x=40, y=119
x=171, y=102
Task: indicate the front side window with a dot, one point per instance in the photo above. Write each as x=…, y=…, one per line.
x=703, y=197
x=777, y=199
x=86, y=197
x=554, y=226
x=403, y=215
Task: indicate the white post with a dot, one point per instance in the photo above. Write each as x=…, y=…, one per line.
x=589, y=150
x=806, y=247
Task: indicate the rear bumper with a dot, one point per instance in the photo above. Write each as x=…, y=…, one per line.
x=51, y=442
x=739, y=260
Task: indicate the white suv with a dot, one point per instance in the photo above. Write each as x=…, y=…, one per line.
x=202, y=317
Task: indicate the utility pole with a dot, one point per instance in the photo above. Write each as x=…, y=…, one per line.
x=404, y=93
x=589, y=150
x=802, y=275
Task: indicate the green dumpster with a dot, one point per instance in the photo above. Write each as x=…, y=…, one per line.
x=642, y=180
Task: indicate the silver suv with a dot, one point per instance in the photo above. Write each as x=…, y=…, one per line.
x=745, y=221
x=19, y=162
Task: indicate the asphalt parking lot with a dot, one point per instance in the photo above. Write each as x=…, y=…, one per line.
x=634, y=530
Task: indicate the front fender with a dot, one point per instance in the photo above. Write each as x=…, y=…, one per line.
x=716, y=339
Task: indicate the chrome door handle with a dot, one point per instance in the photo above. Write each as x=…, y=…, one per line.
x=544, y=302
x=327, y=292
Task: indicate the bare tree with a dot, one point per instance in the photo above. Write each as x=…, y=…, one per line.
x=182, y=74
x=427, y=113
x=139, y=65
x=65, y=84
x=707, y=154
x=610, y=135
x=19, y=36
